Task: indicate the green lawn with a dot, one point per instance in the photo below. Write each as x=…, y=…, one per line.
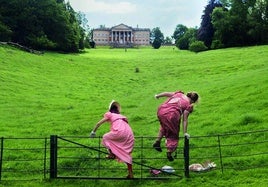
x=66, y=94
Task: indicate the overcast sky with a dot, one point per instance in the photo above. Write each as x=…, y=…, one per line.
x=165, y=14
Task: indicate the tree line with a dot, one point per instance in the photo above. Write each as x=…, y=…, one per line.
x=42, y=25
x=224, y=23
x=54, y=25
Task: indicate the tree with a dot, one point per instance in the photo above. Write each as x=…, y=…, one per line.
x=42, y=24
x=157, y=37
x=221, y=23
x=79, y=21
x=241, y=23
x=168, y=40
x=238, y=21
x=86, y=32
x=189, y=37
x=258, y=22
x=5, y=32
x=156, y=44
x=206, y=31
x=180, y=30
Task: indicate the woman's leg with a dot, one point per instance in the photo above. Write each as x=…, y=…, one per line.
x=171, y=144
x=110, y=155
x=157, y=144
x=130, y=171
x=160, y=136
x=169, y=156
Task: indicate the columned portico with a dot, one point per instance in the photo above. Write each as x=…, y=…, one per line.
x=121, y=36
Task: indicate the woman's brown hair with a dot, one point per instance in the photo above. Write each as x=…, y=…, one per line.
x=193, y=96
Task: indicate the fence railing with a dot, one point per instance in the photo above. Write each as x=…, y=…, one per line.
x=83, y=158
x=91, y=156
x=234, y=151
x=24, y=158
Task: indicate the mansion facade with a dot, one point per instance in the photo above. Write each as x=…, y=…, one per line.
x=121, y=36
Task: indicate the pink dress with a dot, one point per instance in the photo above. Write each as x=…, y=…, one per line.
x=120, y=139
x=169, y=114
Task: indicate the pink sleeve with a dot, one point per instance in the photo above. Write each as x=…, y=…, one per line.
x=108, y=115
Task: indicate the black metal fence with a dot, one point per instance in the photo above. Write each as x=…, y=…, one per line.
x=84, y=158
x=233, y=151
x=24, y=158
x=88, y=160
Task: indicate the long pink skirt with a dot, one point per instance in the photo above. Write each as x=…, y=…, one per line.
x=170, y=128
x=120, y=140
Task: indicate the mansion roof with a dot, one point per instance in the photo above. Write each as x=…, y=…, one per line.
x=122, y=27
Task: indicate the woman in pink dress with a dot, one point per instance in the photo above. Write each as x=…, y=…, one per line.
x=177, y=106
x=120, y=140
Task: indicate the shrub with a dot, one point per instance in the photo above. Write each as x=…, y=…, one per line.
x=156, y=44
x=182, y=43
x=216, y=44
x=197, y=46
x=92, y=44
x=41, y=42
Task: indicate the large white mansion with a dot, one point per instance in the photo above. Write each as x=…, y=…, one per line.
x=121, y=35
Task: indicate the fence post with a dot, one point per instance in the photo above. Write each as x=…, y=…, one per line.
x=1, y=156
x=219, y=142
x=45, y=158
x=186, y=157
x=53, y=156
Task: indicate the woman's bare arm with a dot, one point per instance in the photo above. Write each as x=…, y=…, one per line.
x=185, y=121
x=103, y=120
x=164, y=94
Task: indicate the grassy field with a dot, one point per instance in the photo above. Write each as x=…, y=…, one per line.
x=66, y=94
